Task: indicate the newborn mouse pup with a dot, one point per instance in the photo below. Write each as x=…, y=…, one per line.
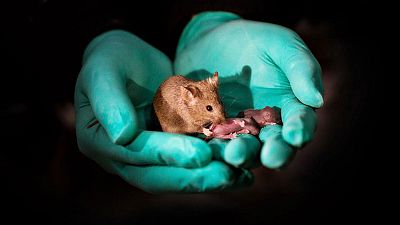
x=186, y=106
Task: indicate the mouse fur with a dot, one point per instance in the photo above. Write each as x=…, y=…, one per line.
x=186, y=106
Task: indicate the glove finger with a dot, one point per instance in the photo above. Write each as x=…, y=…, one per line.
x=299, y=122
x=120, y=68
x=302, y=69
x=239, y=152
x=162, y=148
x=110, y=103
x=162, y=179
x=202, y=23
x=275, y=152
x=148, y=148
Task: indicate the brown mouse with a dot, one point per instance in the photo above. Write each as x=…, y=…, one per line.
x=186, y=106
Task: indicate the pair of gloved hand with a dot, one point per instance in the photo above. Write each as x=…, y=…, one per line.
x=259, y=64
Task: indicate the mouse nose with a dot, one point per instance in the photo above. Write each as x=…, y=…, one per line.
x=220, y=120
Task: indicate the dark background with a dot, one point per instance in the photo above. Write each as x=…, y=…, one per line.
x=45, y=178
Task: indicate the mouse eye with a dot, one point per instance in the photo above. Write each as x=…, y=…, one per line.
x=209, y=108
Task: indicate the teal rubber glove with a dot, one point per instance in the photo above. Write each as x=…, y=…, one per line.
x=113, y=101
x=260, y=64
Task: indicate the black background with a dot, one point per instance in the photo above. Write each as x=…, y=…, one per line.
x=45, y=178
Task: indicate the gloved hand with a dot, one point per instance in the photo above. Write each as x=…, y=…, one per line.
x=113, y=101
x=259, y=64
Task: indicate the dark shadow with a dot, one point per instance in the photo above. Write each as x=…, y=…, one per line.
x=137, y=93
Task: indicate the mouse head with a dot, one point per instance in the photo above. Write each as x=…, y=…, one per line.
x=203, y=103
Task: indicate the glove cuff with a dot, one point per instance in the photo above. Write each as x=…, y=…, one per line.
x=201, y=23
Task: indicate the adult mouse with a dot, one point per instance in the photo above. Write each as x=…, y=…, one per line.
x=186, y=106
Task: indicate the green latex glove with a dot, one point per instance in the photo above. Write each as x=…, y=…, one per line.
x=259, y=64
x=116, y=85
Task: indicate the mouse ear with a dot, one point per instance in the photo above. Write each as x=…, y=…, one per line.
x=191, y=91
x=214, y=79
